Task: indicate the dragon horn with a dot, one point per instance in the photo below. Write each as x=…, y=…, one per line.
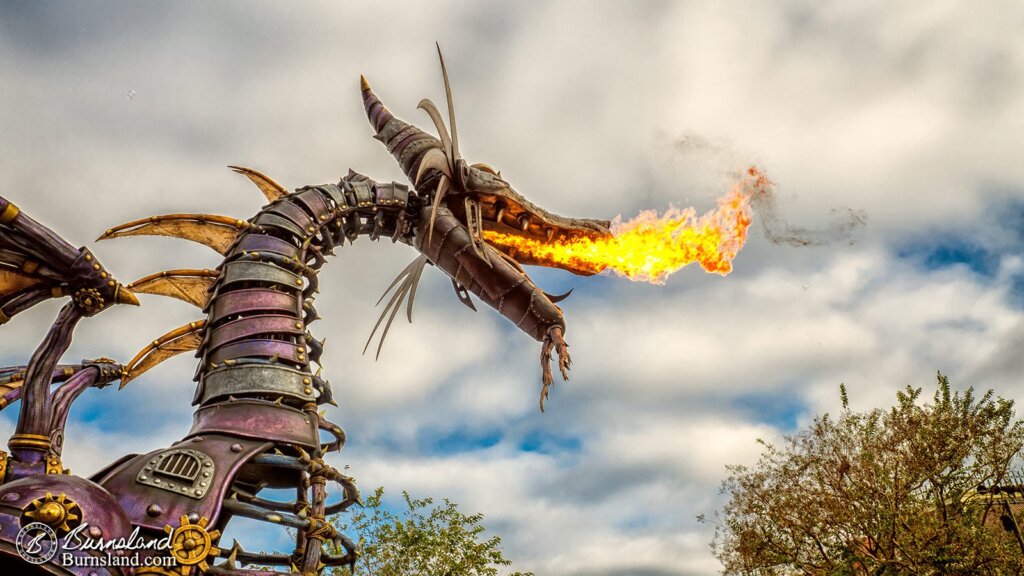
x=407, y=143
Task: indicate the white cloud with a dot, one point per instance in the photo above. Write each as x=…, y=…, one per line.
x=913, y=114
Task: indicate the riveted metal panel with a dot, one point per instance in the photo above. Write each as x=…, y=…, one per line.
x=252, y=300
x=250, y=270
x=252, y=326
x=251, y=418
x=262, y=348
x=246, y=379
x=281, y=223
x=265, y=243
x=295, y=214
x=183, y=471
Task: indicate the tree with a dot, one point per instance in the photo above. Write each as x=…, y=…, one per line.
x=423, y=540
x=903, y=491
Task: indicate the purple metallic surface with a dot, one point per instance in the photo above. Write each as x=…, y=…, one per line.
x=264, y=243
x=34, y=417
x=136, y=498
x=98, y=506
x=258, y=420
x=314, y=203
x=252, y=300
x=67, y=393
x=292, y=212
x=255, y=332
x=259, y=349
x=249, y=327
x=499, y=285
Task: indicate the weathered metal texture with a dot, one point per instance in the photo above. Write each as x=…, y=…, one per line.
x=98, y=507
x=254, y=271
x=95, y=373
x=314, y=202
x=264, y=243
x=270, y=380
x=280, y=349
x=294, y=214
x=406, y=142
x=228, y=453
x=251, y=327
x=499, y=284
x=179, y=470
x=272, y=220
x=257, y=419
x=257, y=423
x=253, y=300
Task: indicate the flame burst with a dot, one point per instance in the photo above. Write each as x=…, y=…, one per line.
x=650, y=247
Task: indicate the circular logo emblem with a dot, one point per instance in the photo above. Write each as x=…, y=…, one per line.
x=37, y=543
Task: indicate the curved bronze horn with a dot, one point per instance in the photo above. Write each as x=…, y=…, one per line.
x=406, y=142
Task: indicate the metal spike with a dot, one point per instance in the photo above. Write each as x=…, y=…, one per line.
x=421, y=264
x=394, y=311
x=442, y=187
x=556, y=298
x=451, y=106
x=446, y=141
x=432, y=159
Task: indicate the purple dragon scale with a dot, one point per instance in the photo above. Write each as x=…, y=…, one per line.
x=259, y=405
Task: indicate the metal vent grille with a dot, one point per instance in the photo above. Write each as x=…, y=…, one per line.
x=180, y=470
x=179, y=465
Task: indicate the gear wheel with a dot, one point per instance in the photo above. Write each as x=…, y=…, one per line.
x=89, y=300
x=192, y=544
x=60, y=513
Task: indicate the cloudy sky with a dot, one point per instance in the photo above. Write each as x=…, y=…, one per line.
x=117, y=110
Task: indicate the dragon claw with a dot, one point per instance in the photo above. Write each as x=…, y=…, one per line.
x=553, y=341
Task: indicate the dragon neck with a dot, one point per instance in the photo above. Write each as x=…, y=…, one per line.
x=257, y=344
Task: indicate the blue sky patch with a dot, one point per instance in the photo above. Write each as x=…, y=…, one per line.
x=781, y=409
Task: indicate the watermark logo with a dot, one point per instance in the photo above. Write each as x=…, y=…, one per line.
x=37, y=543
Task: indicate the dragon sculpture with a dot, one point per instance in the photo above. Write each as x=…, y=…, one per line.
x=257, y=423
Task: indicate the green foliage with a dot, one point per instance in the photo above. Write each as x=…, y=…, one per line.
x=422, y=540
x=892, y=492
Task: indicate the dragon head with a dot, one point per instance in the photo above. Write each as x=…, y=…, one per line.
x=460, y=202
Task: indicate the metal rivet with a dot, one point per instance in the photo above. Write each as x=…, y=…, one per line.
x=309, y=390
x=193, y=517
x=143, y=477
x=88, y=257
x=156, y=481
x=199, y=492
x=236, y=447
x=103, y=274
x=206, y=474
x=95, y=266
x=299, y=282
x=203, y=484
x=154, y=510
x=307, y=381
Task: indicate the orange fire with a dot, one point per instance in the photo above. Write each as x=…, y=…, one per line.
x=650, y=247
